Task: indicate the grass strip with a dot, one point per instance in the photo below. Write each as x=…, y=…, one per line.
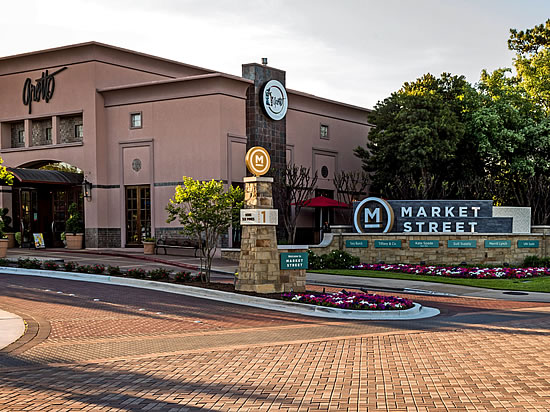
x=535, y=284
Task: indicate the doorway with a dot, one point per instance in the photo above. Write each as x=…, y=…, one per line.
x=43, y=209
x=138, y=214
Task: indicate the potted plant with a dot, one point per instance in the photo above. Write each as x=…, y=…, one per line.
x=149, y=245
x=74, y=228
x=3, y=241
x=8, y=230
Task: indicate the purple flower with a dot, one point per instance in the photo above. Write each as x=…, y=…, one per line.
x=351, y=300
x=459, y=272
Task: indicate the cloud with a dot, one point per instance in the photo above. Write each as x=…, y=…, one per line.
x=356, y=51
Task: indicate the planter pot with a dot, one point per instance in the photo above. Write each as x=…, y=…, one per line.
x=11, y=240
x=148, y=248
x=74, y=242
x=3, y=247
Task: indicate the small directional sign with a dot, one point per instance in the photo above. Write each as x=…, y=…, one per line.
x=269, y=217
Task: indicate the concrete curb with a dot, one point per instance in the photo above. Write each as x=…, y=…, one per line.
x=12, y=328
x=416, y=312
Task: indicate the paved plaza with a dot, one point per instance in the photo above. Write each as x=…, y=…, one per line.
x=102, y=347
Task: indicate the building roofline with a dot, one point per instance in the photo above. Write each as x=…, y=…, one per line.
x=312, y=96
x=106, y=46
x=178, y=80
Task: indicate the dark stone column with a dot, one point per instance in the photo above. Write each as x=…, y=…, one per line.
x=260, y=129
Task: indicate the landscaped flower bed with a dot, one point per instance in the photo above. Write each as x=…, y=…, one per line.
x=459, y=272
x=351, y=300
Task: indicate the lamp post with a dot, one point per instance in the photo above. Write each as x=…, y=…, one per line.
x=87, y=189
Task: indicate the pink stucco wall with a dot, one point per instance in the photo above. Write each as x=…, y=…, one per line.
x=193, y=124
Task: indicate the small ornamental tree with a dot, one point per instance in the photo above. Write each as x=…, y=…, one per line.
x=6, y=177
x=74, y=222
x=205, y=210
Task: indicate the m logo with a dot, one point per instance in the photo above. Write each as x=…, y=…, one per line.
x=373, y=215
x=257, y=161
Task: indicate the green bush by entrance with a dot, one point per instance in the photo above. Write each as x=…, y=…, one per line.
x=337, y=259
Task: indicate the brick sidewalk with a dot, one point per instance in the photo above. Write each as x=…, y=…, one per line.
x=116, y=348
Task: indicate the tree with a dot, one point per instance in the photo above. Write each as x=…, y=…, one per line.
x=532, y=61
x=205, y=211
x=350, y=186
x=419, y=130
x=442, y=137
x=6, y=177
x=293, y=185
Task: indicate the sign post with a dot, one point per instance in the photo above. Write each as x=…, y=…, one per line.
x=259, y=264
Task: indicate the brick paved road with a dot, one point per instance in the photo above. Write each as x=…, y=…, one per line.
x=102, y=347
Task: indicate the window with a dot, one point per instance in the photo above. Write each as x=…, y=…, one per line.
x=48, y=134
x=21, y=136
x=324, y=131
x=135, y=120
x=79, y=131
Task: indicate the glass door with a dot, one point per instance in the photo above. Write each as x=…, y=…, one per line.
x=138, y=214
x=59, y=211
x=29, y=215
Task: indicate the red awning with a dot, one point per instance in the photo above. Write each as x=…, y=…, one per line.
x=322, y=201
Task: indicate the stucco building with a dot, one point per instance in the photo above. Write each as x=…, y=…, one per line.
x=134, y=124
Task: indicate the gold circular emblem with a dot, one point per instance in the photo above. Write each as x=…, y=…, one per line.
x=257, y=161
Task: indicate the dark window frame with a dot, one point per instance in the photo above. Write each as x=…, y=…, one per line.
x=323, y=125
x=79, y=130
x=140, y=114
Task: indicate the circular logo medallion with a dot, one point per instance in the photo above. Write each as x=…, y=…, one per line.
x=136, y=165
x=274, y=99
x=257, y=161
x=373, y=215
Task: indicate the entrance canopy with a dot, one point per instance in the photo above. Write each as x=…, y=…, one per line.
x=39, y=176
x=322, y=201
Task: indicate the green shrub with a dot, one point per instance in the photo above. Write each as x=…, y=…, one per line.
x=314, y=261
x=74, y=222
x=182, y=277
x=337, y=259
x=114, y=271
x=136, y=273
x=97, y=269
x=50, y=265
x=535, y=261
x=27, y=263
x=160, y=274
x=4, y=262
x=6, y=219
x=84, y=269
x=70, y=266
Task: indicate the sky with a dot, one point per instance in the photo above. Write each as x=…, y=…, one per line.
x=353, y=51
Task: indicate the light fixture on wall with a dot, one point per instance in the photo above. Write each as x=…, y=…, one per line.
x=87, y=189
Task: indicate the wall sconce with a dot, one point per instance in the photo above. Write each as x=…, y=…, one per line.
x=87, y=189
